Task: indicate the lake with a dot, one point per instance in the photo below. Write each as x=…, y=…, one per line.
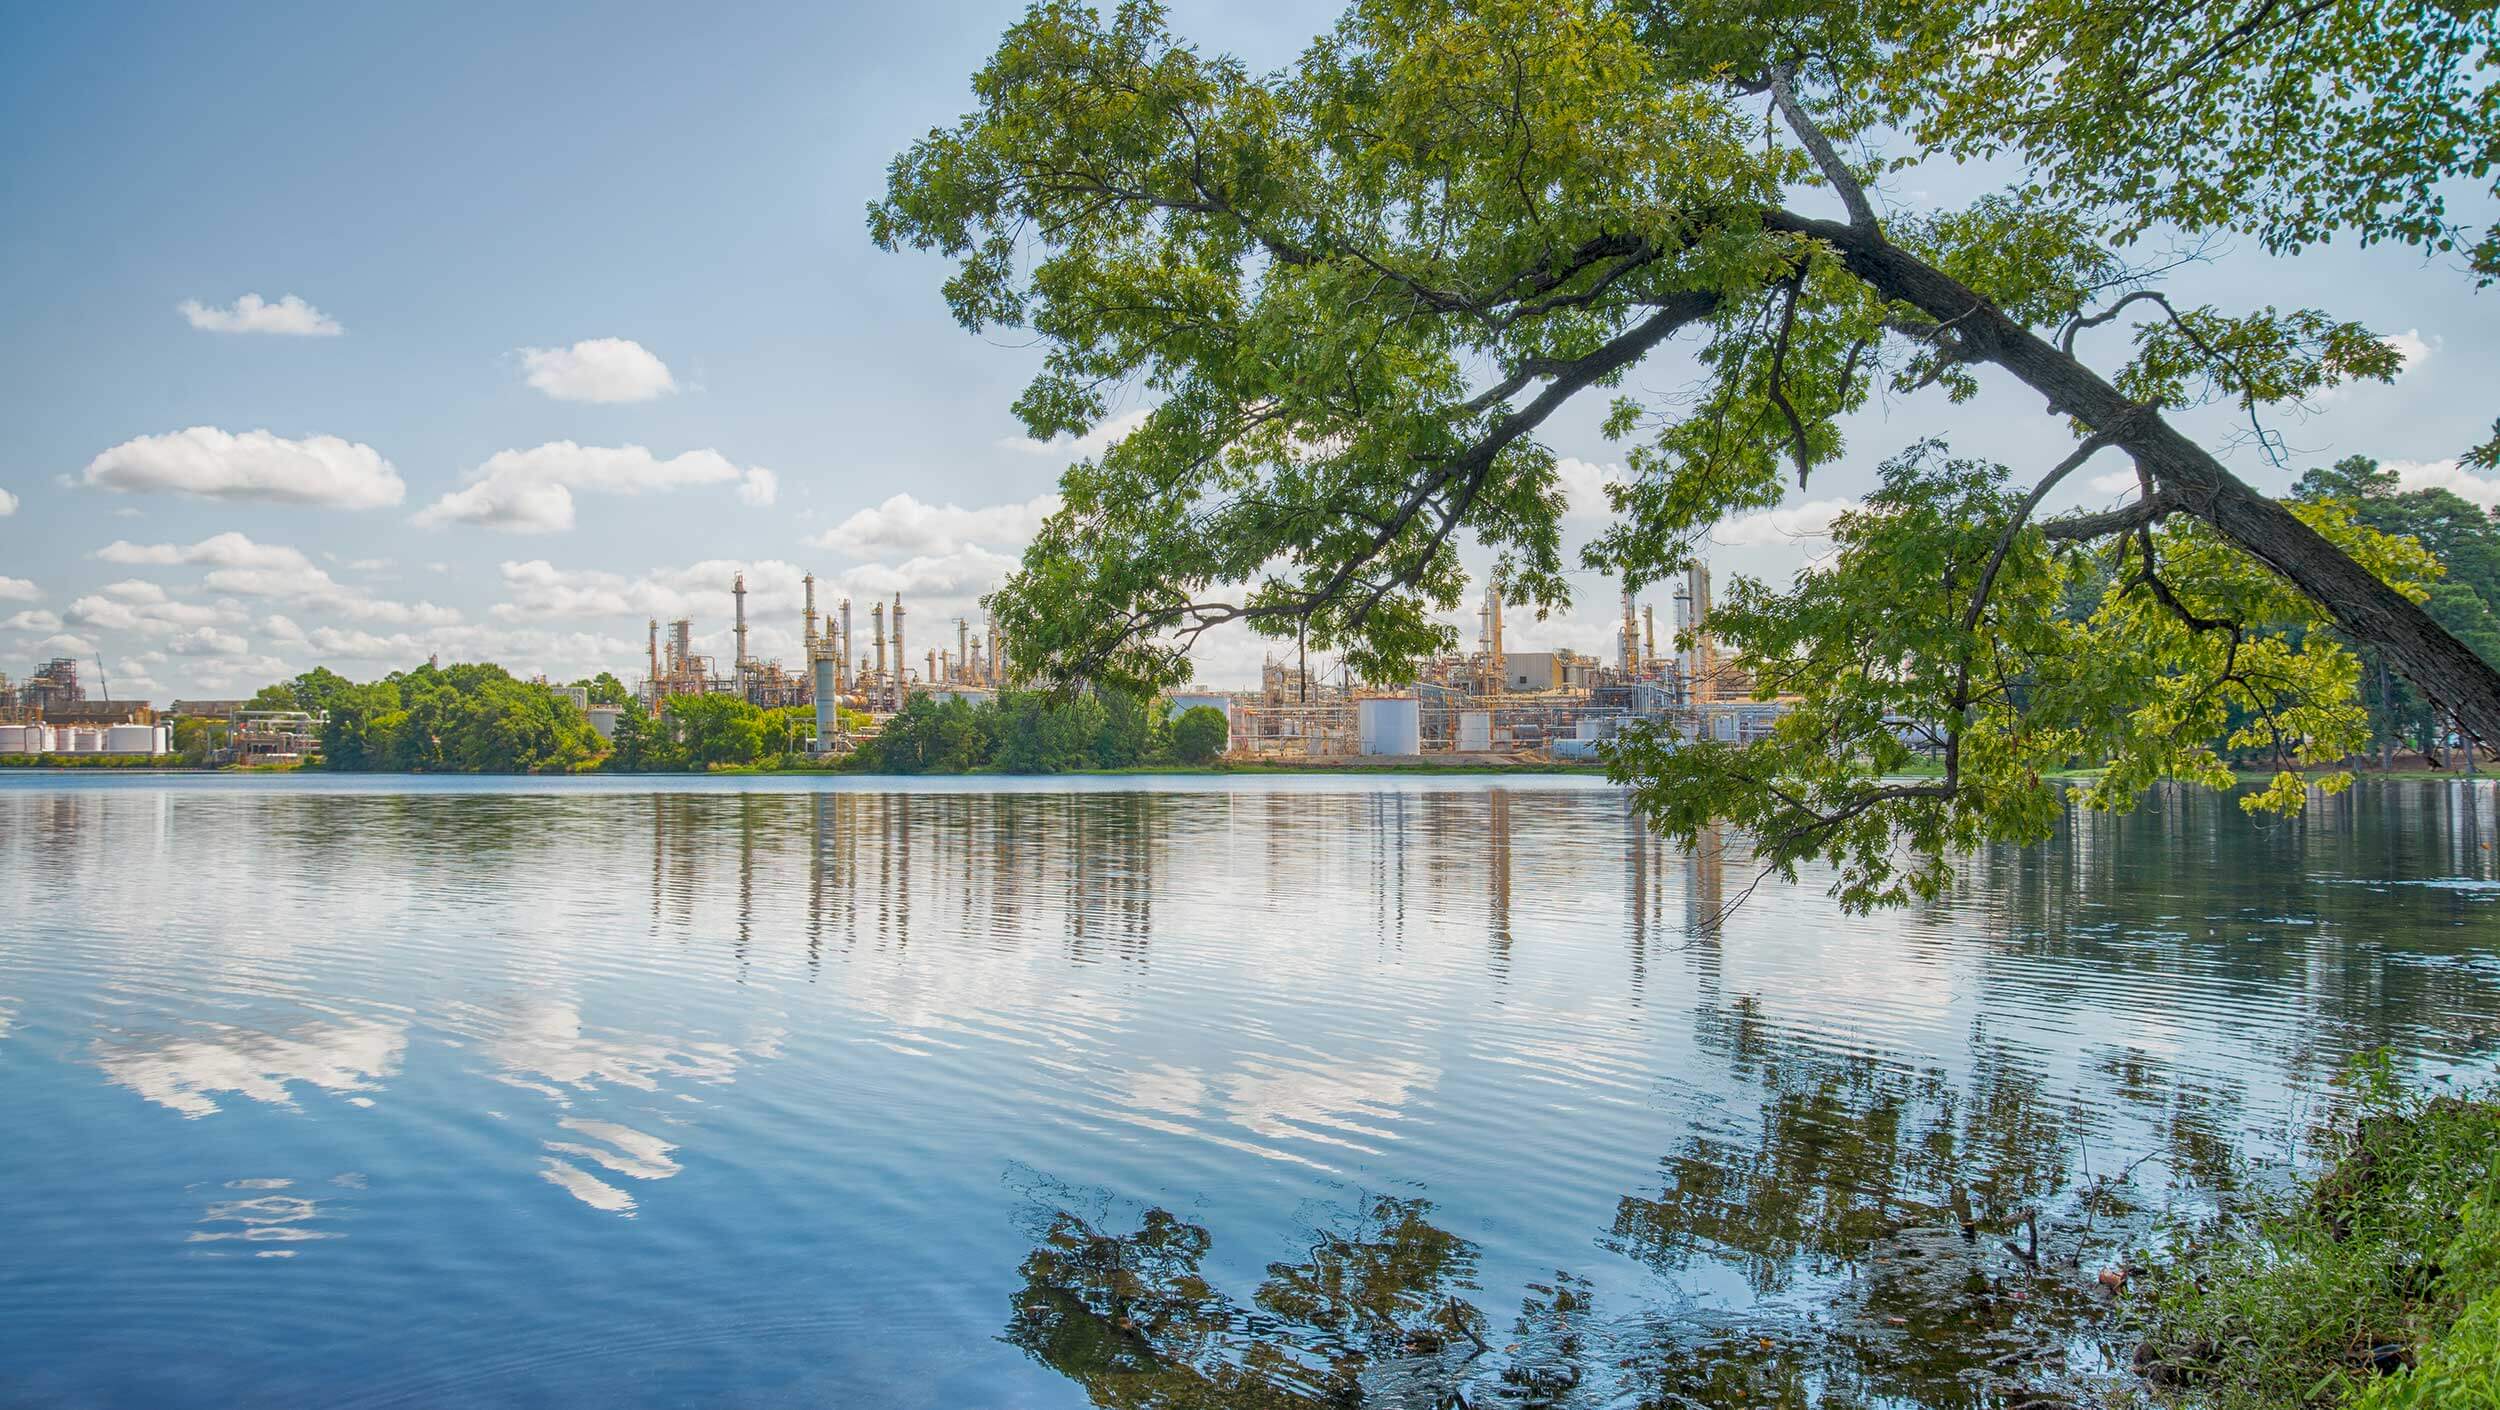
x=1176, y=1092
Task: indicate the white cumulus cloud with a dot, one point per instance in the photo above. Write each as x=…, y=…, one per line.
x=904, y=526
x=1084, y=447
x=207, y=641
x=8, y=504
x=237, y=564
x=226, y=550
x=18, y=590
x=2449, y=475
x=598, y=370
x=34, y=619
x=251, y=314
x=1787, y=524
x=531, y=491
x=256, y=465
x=145, y=607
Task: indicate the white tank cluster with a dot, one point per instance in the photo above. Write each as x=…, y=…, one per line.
x=133, y=741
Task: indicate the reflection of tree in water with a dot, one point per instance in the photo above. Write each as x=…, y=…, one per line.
x=1374, y=1316
x=1370, y=1316
x=1882, y=1198
x=1850, y=1149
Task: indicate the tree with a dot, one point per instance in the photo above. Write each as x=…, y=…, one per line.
x=2465, y=599
x=1357, y=289
x=466, y=718
x=1200, y=734
x=929, y=735
x=606, y=689
x=316, y=689
x=714, y=729
x=280, y=696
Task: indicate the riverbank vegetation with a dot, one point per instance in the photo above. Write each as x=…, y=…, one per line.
x=1029, y=732
x=2374, y=1285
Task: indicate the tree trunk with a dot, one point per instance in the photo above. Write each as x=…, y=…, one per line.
x=2366, y=608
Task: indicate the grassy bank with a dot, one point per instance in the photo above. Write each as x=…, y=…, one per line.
x=2375, y=1284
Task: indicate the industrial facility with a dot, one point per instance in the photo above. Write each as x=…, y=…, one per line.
x=50, y=713
x=1497, y=703
x=873, y=678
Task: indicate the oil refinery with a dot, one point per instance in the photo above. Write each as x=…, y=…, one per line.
x=1498, y=703
x=874, y=678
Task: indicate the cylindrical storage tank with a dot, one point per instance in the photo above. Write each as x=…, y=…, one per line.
x=13, y=740
x=1475, y=732
x=130, y=739
x=827, y=702
x=1390, y=724
x=83, y=740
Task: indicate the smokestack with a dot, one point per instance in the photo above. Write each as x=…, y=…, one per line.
x=963, y=645
x=843, y=653
x=654, y=678
x=989, y=658
x=807, y=636
x=1493, y=635
x=1705, y=652
x=1649, y=634
x=902, y=663
x=932, y=676
x=1628, y=641
x=876, y=627
x=738, y=667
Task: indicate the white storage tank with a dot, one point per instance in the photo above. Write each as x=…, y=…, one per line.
x=82, y=740
x=13, y=740
x=1390, y=724
x=1475, y=732
x=131, y=739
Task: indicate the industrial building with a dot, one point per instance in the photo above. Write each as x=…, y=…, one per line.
x=1501, y=703
x=50, y=713
x=875, y=677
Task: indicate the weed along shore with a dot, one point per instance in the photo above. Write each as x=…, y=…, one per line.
x=2373, y=1283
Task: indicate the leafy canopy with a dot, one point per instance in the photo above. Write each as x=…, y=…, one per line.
x=1353, y=290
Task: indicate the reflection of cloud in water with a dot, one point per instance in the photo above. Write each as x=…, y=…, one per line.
x=642, y=1156
x=262, y=1216
x=1279, y=1100
x=1287, y=1100
x=628, y=1152
x=1175, y=1090
x=181, y=1073
x=546, y=1041
x=589, y=1189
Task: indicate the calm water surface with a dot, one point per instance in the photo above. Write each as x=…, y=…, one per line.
x=1259, y=1093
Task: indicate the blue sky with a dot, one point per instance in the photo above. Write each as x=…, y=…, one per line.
x=546, y=235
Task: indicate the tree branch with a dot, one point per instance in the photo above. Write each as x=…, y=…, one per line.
x=2022, y=515
x=1819, y=146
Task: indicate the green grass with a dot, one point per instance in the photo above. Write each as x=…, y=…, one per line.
x=2374, y=1284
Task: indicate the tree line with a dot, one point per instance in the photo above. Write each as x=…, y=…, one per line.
x=479, y=718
